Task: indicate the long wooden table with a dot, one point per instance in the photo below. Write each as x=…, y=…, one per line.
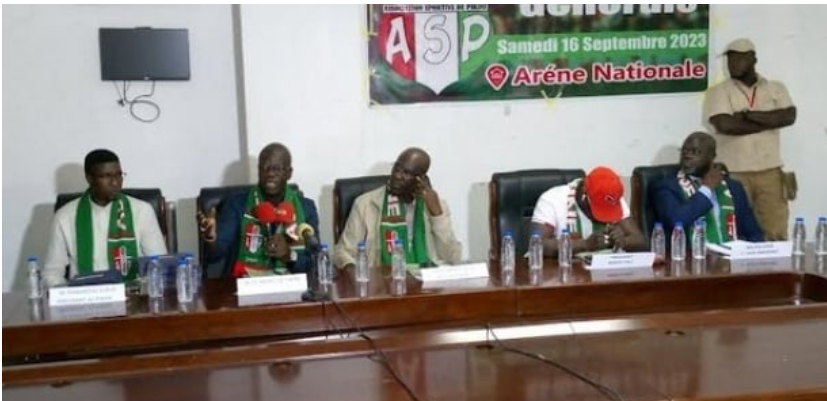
x=648, y=339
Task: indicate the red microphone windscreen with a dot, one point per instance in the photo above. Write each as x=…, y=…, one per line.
x=285, y=213
x=266, y=213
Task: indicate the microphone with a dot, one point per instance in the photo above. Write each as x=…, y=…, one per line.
x=266, y=213
x=308, y=234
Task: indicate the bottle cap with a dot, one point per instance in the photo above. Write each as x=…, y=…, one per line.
x=32, y=259
x=822, y=218
x=679, y=224
x=323, y=247
x=361, y=245
x=565, y=231
x=153, y=257
x=535, y=232
x=508, y=233
x=797, y=219
x=658, y=224
x=398, y=242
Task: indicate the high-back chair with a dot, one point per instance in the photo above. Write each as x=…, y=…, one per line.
x=345, y=191
x=512, y=197
x=643, y=179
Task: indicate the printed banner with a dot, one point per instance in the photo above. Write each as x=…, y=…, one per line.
x=461, y=52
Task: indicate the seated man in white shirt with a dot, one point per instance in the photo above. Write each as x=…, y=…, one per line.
x=594, y=212
x=103, y=229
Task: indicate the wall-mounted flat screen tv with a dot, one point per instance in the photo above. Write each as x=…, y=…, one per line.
x=144, y=54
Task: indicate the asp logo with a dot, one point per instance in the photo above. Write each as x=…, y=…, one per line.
x=425, y=46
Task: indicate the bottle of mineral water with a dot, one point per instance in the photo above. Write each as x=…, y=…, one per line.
x=678, y=242
x=535, y=252
x=799, y=236
x=658, y=242
x=699, y=240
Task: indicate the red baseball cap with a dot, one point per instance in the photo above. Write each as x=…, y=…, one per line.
x=605, y=192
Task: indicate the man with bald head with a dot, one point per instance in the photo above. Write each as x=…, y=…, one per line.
x=407, y=208
x=702, y=190
x=237, y=234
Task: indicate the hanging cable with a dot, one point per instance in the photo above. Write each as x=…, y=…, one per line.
x=143, y=100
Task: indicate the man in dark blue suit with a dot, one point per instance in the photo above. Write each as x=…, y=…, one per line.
x=701, y=189
x=238, y=233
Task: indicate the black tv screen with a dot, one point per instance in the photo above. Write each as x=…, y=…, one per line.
x=144, y=54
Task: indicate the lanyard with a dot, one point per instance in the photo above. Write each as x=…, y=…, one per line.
x=751, y=99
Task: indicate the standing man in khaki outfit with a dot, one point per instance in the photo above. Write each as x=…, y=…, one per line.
x=747, y=112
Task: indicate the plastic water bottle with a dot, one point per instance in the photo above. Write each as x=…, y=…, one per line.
x=183, y=281
x=535, y=252
x=155, y=278
x=195, y=271
x=699, y=240
x=799, y=236
x=564, y=249
x=507, y=256
x=657, y=243
x=398, y=262
x=35, y=282
x=323, y=267
x=362, y=266
x=678, y=242
x=821, y=236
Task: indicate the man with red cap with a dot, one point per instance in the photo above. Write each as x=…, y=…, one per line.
x=594, y=212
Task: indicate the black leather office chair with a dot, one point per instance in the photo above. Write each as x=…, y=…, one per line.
x=151, y=195
x=643, y=179
x=345, y=191
x=512, y=197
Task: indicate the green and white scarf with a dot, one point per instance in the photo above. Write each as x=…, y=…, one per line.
x=252, y=257
x=394, y=225
x=718, y=230
x=121, y=245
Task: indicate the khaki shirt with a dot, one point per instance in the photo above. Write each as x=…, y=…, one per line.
x=754, y=152
x=363, y=224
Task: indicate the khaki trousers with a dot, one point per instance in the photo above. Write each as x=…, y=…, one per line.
x=765, y=190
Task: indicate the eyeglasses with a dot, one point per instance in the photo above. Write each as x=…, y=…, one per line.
x=111, y=176
x=691, y=151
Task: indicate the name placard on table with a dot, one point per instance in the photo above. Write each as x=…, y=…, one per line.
x=761, y=250
x=87, y=294
x=629, y=260
x=634, y=273
x=272, y=284
x=455, y=272
x=87, y=311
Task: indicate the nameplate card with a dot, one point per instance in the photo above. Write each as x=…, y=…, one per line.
x=635, y=273
x=455, y=272
x=628, y=260
x=755, y=265
x=267, y=299
x=761, y=250
x=87, y=294
x=272, y=284
x=479, y=282
x=87, y=311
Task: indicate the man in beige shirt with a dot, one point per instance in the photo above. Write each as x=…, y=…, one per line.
x=408, y=209
x=747, y=112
